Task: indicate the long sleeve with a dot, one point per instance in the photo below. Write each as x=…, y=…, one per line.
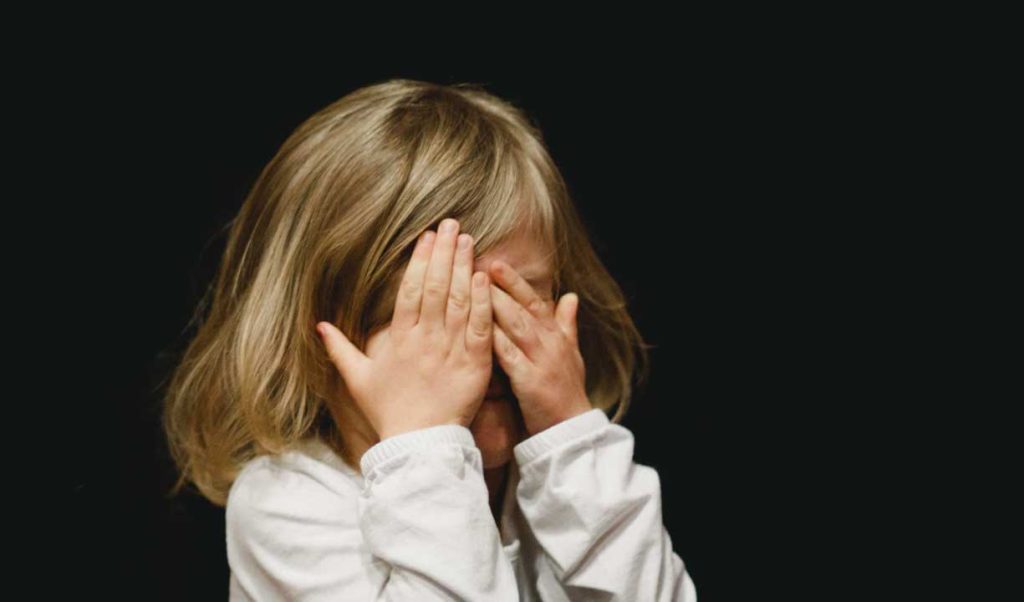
x=425, y=514
x=419, y=525
x=597, y=515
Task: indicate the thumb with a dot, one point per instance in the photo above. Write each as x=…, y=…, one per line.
x=566, y=312
x=345, y=356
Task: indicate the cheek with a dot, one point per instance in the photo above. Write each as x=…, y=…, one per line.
x=375, y=338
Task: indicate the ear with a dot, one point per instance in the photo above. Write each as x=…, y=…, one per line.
x=565, y=314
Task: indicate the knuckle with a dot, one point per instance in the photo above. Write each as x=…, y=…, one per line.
x=458, y=301
x=411, y=291
x=508, y=349
x=536, y=305
x=479, y=330
x=435, y=288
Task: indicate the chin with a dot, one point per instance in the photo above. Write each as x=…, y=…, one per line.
x=497, y=428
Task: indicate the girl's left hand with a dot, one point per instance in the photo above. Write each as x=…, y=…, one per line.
x=537, y=346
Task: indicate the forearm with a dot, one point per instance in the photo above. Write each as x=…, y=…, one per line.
x=597, y=514
x=424, y=513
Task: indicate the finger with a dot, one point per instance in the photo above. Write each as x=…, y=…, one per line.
x=439, y=275
x=410, y=292
x=459, y=299
x=345, y=356
x=520, y=290
x=565, y=315
x=517, y=323
x=480, y=332
x=510, y=357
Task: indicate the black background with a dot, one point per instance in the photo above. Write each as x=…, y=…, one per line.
x=726, y=191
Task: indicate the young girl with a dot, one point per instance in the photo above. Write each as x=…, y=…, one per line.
x=391, y=394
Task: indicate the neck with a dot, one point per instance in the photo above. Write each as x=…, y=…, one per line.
x=357, y=435
x=496, y=478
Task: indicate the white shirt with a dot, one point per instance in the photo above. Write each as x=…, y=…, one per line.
x=580, y=521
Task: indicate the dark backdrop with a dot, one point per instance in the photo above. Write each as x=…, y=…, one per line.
x=714, y=190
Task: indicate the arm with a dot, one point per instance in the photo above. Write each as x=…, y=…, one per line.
x=422, y=513
x=597, y=514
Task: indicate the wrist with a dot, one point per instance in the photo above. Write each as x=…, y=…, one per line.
x=543, y=423
x=395, y=430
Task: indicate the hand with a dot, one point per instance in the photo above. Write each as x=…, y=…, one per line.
x=434, y=363
x=537, y=346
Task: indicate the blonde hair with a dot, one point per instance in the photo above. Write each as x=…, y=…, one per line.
x=324, y=234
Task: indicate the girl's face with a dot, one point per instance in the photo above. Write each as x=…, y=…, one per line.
x=498, y=425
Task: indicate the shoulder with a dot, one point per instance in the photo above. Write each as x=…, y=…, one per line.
x=305, y=484
x=293, y=529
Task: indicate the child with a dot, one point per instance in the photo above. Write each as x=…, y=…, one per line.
x=446, y=436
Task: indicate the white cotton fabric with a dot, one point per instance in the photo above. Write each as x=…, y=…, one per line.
x=580, y=521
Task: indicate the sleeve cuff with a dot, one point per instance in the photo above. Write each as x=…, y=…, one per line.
x=533, y=447
x=425, y=438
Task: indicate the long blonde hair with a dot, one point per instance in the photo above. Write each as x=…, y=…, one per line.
x=324, y=234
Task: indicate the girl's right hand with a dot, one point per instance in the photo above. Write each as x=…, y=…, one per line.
x=434, y=365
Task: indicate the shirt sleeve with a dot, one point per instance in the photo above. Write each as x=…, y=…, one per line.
x=597, y=514
x=422, y=514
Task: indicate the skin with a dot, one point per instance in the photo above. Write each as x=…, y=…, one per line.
x=536, y=374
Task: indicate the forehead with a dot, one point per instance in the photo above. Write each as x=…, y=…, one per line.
x=527, y=255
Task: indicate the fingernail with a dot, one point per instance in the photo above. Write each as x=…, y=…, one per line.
x=448, y=225
x=463, y=241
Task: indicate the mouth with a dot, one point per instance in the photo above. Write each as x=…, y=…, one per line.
x=498, y=389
